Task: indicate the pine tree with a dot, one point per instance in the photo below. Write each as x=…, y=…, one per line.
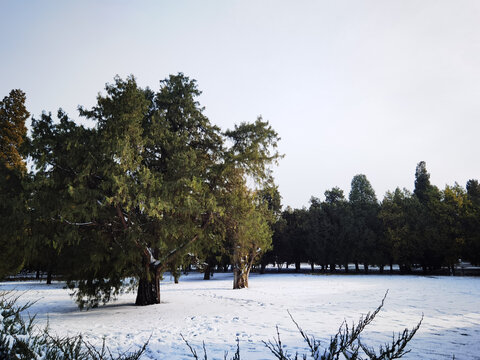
x=248, y=212
x=141, y=188
x=365, y=230
x=13, y=182
x=471, y=250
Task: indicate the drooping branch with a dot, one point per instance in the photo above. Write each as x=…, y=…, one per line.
x=160, y=265
x=122, y=217
x=89, y=223
x=120, y=214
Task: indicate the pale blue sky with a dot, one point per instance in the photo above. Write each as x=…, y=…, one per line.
x=352, y=87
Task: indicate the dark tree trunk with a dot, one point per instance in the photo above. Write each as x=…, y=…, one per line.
x=453, y=269
x=49, y=277
x=332, y=268
x=381, y=268
x=176, y=273
x=312, y=266
x=37, y=275
x=405, y=269
x=262, y=268
x=391, y=267
x=346, y=267
x=148, y=291
x=297, y=266
x=365, y=268
x=357, y=268
x=323, y=268
x=424, y=269
x=207, y=272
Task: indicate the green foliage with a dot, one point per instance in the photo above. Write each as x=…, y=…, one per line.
x=365, y=231
x=13, y=131
x=338, y=227
x=152, y=180
x=254, y=148
x=429, y=228
x=398, y=214
x=422, y=182
x=13, y=183
x=246, y=222
x=471, y=248
x=291, y=237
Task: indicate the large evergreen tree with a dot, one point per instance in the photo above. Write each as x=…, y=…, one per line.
x=13, y=179
x=137, y=190
x=365, y=229
x=340, y=222
x=249, y=214
x=471, y=250
x=428, y=222
x=399, y=213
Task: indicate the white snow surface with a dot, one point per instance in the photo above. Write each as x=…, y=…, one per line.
x=212, y=312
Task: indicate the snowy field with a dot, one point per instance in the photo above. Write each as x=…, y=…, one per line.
x=211, y=311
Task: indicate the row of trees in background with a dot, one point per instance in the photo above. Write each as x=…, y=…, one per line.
x=130, y=197
x=429, y=228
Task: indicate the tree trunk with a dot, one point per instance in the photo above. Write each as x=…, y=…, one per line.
x=357, y=268
x=262, y=268
x=405, y=269
x=391, y=267
x=346, y=267
x=297, y=266
x=176, y=273
x=207, y=272
x=241, y=270
x=425, y=269
x=240, y=278
x=49, y=277
x=381, y=268
x=365, y=268
x=312, y=266
x=332, y=268
x=148, y=292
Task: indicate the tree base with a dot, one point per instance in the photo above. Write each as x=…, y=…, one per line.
x=148, y=292
x=240, y=280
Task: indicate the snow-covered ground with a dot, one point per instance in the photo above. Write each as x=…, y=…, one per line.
x=211, y=311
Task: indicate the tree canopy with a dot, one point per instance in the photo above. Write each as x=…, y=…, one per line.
x=128, y=197
x=13, y=182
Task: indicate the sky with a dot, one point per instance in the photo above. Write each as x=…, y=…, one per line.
x=352, y=87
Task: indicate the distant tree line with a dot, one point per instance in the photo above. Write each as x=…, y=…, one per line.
x=429, y=228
